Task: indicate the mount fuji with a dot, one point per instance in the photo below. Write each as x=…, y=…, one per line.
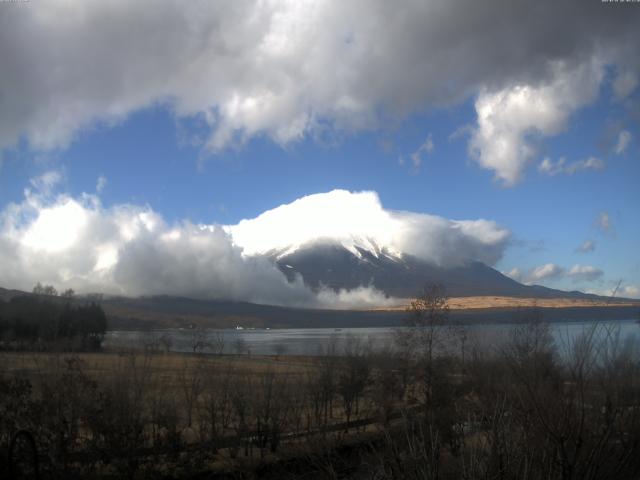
x=343, y=240
x=330, y=264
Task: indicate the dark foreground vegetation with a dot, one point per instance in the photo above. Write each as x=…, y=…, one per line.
x=46, y=321
x=435, y=406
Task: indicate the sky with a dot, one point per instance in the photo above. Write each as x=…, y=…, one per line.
x=141, y=143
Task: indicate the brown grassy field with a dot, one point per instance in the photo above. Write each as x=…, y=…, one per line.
x=489, y=302
x=101, y=365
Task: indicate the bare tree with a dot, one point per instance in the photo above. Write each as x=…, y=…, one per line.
x=199, y=341
x=354, y=376
x=326, y=378
x=241, y=404
x=423, y=333
x=166, y=342
x=269, y=410
x=40, y=289
x=68, y=294
x=217, y=343
x=216, y=406
x=190, y=378
x=240, y=345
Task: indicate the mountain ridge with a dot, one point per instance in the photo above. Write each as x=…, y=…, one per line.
x=165, y=311
x=329, y=264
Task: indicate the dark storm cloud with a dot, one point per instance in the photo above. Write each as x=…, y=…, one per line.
x=289, y=69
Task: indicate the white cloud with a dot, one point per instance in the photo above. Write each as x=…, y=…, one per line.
x=461, y=132
x=550, y=168
x=561, y=166
x=127, y=249
x=629, y=291
x=515, y=273
x=290, y=69
x=624, y=138
x=591, y=163
x=509, y=119
x=584, y=273
x=551, y=271
x=626, y=291
x=361, y=297
x=359, y=219
x=46, y=182
x=101, y=183
x=586, y=246
x=425, y=149
x=548, y=271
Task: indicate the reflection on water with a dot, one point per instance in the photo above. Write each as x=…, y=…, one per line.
x=312, y=341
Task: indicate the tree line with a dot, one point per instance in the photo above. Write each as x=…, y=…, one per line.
x=47, y=320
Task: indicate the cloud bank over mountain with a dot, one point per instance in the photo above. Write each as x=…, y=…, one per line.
x=294, y=69
x=78, y=243
x=358, y=220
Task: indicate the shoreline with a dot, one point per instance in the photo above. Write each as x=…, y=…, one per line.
x=332, y=319
x=487, y=302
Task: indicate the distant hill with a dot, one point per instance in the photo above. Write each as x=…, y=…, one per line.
x=6, y=294
x=165, y=312
x=157, y=312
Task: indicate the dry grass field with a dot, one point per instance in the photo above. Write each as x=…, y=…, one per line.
x=166, y=367
x=491, y=302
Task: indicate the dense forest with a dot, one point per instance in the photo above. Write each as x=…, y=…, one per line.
x=45, y=320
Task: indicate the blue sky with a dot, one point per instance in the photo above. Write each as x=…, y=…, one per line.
x=193, y=152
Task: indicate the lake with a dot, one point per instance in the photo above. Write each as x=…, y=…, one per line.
x=312, y=341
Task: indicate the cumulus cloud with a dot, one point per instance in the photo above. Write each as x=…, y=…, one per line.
x=548, y=271
x=630, y=291
x=624, y=138
x=361, y=297
x=626, y=291
x=292, y=69
x=552, y=168
x=586, y=273
x=127, y=249
x=516, y=274
x=586, y=246
x=509, y=119
x=46, y=182
x=360, y=220
x=551, y=272
x=78, y=243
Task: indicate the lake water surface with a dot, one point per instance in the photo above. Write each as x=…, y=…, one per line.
x=312, y=341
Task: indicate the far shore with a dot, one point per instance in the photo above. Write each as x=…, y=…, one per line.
x=467, y=310
x=493, y=302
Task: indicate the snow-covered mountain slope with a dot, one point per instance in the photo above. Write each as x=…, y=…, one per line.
x=358, y=223
x=344, y=240
x=327, y=264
